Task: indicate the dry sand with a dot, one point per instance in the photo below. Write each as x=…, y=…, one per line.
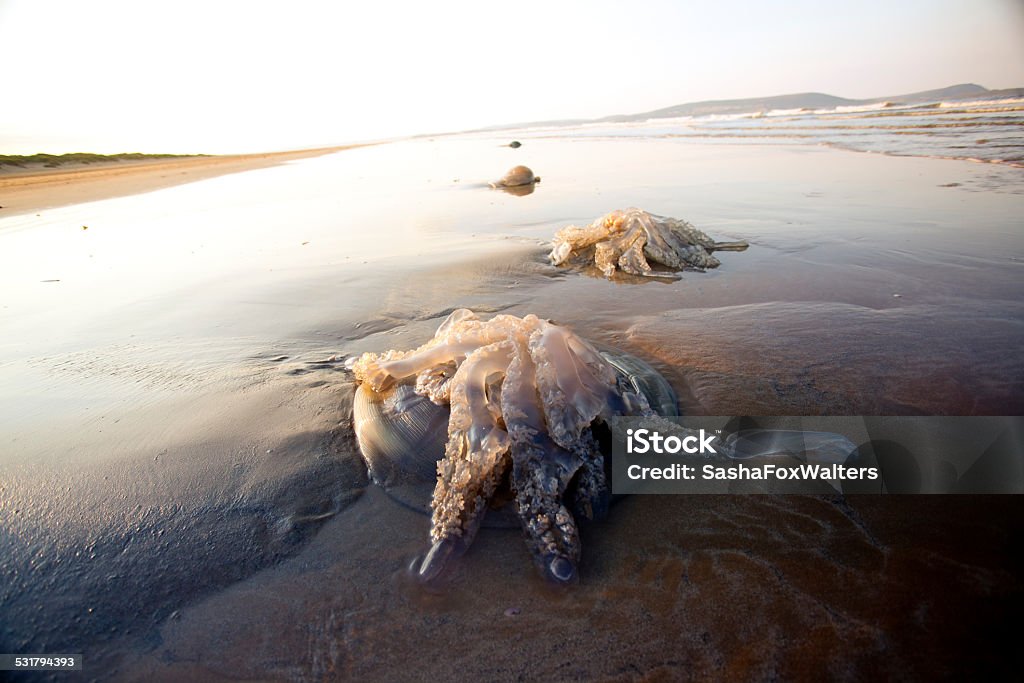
x=181, y=496
x=25, y=190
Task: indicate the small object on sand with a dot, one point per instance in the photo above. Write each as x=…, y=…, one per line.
x=625, y=240
x=85, y=227
x=512, y=612
x=515, y=144
x=517, y=177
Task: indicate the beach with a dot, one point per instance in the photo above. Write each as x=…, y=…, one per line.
x=180, y=488
x=35, y=186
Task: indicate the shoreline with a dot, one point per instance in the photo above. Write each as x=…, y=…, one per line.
x=28, y=190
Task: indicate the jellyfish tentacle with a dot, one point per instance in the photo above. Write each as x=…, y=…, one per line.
x=436, y=382
x=573, y=391
x=660, y=245
x=581, y=239
x=381, y=371
x=541, y=472
x=540, y=476
x=609, y=253
x=457, y=337
x=632, y=259
x=475, y=460
x=693, y=245
x=591, y=495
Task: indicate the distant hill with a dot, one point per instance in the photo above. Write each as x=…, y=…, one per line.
x=807, y=100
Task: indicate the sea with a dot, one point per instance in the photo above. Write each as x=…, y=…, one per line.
x=990, y=130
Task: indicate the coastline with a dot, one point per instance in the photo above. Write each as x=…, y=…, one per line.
x=26, y=190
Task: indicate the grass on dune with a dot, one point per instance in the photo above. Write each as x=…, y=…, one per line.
x=56, y=160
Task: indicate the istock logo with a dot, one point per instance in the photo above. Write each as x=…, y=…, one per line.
x=647, y=441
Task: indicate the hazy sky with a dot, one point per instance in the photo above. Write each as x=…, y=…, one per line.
x=220, y=76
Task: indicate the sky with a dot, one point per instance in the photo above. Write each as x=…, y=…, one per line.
x=223, y=76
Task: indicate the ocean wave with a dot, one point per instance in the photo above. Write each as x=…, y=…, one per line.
x=864, y=107
x=981, y=103
x=788, y=112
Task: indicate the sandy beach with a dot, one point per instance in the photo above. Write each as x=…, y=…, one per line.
x=35, y=187
x=182, y=496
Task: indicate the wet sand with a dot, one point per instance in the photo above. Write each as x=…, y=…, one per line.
x=181, y=496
